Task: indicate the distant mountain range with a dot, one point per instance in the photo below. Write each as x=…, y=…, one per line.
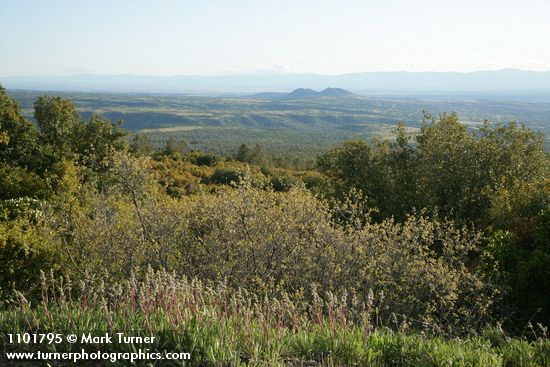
x=301, y=93
x=507, y=80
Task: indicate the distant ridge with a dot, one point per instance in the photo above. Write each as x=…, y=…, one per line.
x=301, y=93
x=507, y=80
x=336, y=92
x=268, y=95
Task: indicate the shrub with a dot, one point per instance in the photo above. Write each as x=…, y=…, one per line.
x=318, y=183
x=282, y=182
x=203, y=159
x=267, y=241
x=24, y=251
x=225, y=176
x=16, y=182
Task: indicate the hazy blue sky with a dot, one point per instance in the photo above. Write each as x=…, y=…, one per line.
x=163, y=37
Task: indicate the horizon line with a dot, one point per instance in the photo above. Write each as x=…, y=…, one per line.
x=261, y=73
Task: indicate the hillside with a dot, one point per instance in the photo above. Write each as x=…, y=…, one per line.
x=307, y=125
x=310, y=93
x=301, y=93
x=335, y=92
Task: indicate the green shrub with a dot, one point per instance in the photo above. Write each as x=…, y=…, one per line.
x=282, y=182
x=225, y=176
x=267, y=241
x=204, y=159
x=16, y=182
x=318, y=183
x=24, y=252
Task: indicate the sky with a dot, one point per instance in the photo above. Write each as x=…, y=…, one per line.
x=218, y=37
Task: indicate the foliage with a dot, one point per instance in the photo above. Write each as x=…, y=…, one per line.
x=141, y=145
x=204, y=159
x=178, y=176
x=16, y=182
x=283, y=182
x=174, y=147
x=31, y=156
x=57, y=119
x=225, y=176
x=450, y=169
x=19, y=137
x=495, y=178
x=96, y=140
x=271, y=242
x=243, y=153
x=375, y=170
x=223, y=327
x=461, y=171
x=24, y=252
x=317, y=183
x=525, y=266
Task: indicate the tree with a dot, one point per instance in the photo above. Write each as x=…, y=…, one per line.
x=204, y=159
x=243, y=154
x=21, y=159
x=19, y=138
x=17, y=182
x=377, y=168
x=446, y=167
x=57, y=120
x=495, y=178
x=24, y=252
x=257, y=155
x=174, y=147
x=451, y=169
x=97, y=139
x=141, y=144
